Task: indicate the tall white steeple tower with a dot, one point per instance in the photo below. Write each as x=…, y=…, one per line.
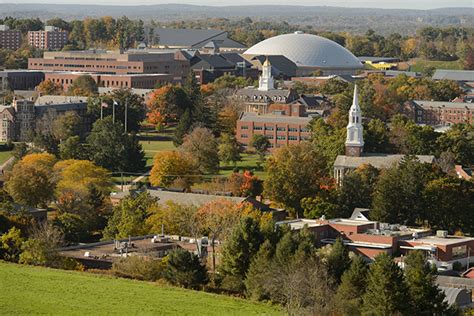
x=265, y=82
x=355, y=139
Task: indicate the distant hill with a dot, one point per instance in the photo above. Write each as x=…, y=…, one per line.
x=320, y=17
x=28, y=290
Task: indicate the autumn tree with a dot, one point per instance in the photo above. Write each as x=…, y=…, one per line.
x=203, y=147
x=129, y=216
x=31, y=181
x=47, y=87
x=171, y=166
x=218, y=218
x=294, y=172
x=83, y=85
x=67, y=125
x=175, y=219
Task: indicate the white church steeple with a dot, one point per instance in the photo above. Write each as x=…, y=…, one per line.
x=265, y=82
x=355, y=131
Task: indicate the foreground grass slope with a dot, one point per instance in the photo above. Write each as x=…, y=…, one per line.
x=27, y=290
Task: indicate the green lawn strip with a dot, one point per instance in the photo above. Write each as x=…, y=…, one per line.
x=30, y=290
x=421, y=64
x=4, y=156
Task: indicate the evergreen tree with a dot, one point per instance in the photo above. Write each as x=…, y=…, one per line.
x=386, y=292
x=258, y=273
x=184, y=268
x=338, y=260
x=183, y=127
x=426, y=297
x=239, y=248
x=352, y=287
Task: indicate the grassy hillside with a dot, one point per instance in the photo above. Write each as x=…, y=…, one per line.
x=30, y=290
x=419, y=65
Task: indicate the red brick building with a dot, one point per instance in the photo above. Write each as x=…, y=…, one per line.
x=370, y=238
x=442, y=113
x=106, y=62
x=137, y=81
x=52, y=38
x=281, y=130
x=9, y=39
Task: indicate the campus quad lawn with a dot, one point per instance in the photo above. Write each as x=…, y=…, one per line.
x=27, y=290
x=4, y=156
x=248, y=162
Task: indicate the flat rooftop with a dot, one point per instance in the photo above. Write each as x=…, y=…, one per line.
x=253, y=117
x=450, y=240
x=296, y=224
x=350, y=222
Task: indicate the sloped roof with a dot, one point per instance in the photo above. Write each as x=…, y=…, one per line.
x=379, y=161
x=206, y=61
x=457, y=75
x=194, y=38
x=280, y=65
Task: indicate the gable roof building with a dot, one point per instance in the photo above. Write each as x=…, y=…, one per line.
x=195, y=38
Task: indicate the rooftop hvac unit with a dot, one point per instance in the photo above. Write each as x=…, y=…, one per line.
x=442, y=233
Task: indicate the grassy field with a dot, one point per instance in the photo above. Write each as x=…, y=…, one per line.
x=419, y=65
x=4, y=156
x=153, y=142
x=248, y=162
x=30, y=290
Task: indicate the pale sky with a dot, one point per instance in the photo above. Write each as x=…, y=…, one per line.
x=406, y=4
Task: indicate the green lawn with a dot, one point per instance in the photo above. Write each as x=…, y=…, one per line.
x=248, y=162
x=419, y=65
x=27, y=290
x=4, y=156
x=153, y=142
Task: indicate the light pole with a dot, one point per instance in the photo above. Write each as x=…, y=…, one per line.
x=126, y=110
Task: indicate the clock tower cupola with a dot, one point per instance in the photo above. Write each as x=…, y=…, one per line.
x=355, y=139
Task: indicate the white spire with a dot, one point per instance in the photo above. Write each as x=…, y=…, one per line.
x=265, y=82
x=355, y=131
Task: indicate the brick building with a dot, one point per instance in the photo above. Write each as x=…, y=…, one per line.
x=444, y=113
x=280, y=130
x=9, y=39
x=138, y=81
x=370, y=238
x=112, y=63
x=24, y=117
x=52, y=38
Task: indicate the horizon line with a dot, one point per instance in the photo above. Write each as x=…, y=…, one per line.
x=236, y=5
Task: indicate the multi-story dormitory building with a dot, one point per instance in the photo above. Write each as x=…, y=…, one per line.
x=52, y=38
x=24, y=117
x=9, y=39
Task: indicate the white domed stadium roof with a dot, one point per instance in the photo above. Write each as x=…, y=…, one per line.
x=307, y=50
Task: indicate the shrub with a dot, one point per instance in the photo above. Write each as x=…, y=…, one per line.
x=184, y=268
x=139, y=268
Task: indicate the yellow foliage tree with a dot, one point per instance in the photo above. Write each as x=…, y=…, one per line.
x=171, y=166
x=31, y=181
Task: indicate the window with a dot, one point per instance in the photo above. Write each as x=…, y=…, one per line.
x=292, y=129
x=270, y=137
x=460, y=251
x=269, y=128
x=258, y=128
x=280, y=137
x=244, y=136
x=281, y=129
x=292, y=137
x=303, y=129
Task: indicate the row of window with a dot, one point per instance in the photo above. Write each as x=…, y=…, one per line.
x=279, y=137
x=271, y=128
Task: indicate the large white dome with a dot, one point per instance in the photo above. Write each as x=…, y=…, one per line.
x=307, y=50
